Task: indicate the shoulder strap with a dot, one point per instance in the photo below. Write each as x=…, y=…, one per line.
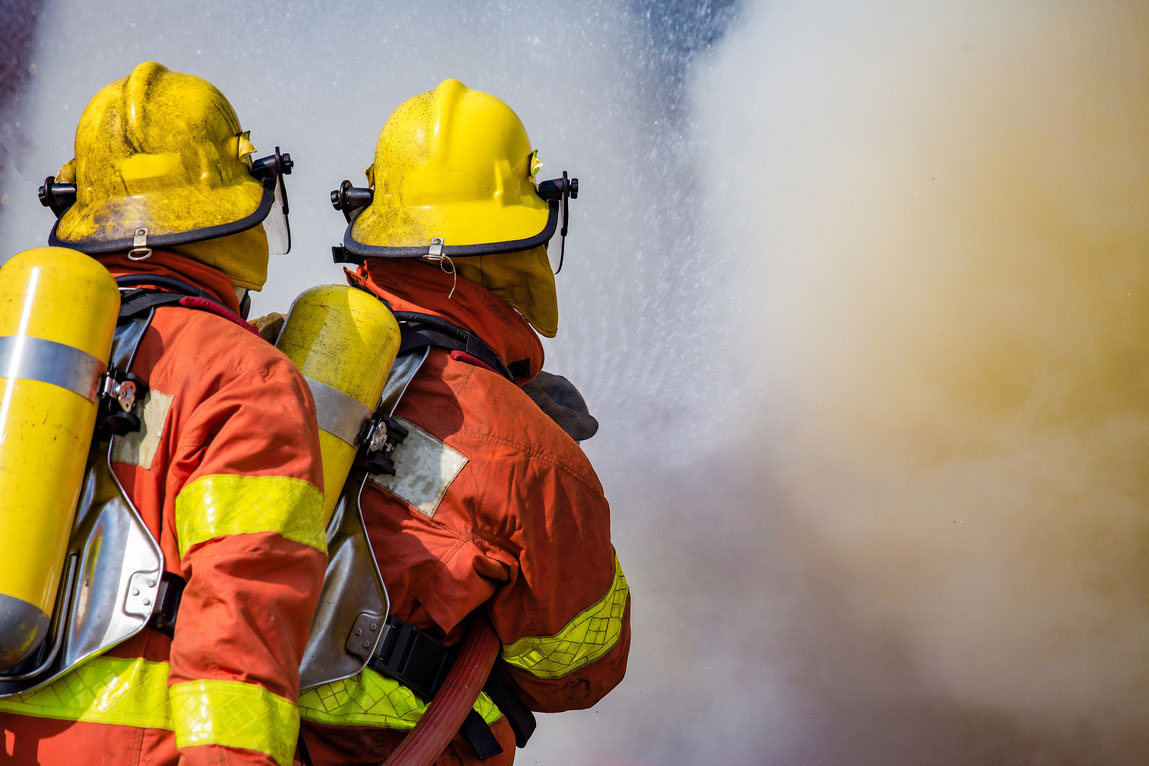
x=152, y=290
x=136, y=302
x=164, y=291
x=419, y=330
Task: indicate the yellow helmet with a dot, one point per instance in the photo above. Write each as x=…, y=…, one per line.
x=453, y=175
x=161, y=161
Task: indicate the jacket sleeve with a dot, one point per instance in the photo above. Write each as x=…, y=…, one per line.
x=564, y=619
x=247, y=519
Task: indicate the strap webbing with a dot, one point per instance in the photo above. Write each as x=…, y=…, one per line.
x=479, y=736
x=138, y=302
x=420, y=662
x=420, y=330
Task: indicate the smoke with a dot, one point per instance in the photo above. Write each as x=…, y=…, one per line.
x=937, y=215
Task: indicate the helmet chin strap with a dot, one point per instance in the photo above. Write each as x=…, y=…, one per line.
x=436, y=255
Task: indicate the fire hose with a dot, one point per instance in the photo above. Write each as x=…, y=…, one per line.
x=451, y=704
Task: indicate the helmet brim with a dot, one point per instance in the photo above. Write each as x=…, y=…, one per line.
x=408, y=237
x=110, y=226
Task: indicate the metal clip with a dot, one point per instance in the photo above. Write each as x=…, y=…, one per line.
x=140, y=249
x=122, y=392
x=367, y=633
x=377, y=437
x=125, y=394
x=436, y=249
x=380, y=437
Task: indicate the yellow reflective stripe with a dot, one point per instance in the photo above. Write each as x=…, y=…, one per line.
x=226, y=504
x=134, y=692
x=370, y=699
x=234, y=714
x=108, y=690
x=586, y=638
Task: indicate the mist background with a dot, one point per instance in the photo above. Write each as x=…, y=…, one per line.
x=857, y=292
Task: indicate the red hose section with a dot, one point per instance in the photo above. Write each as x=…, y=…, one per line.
x=454, y=700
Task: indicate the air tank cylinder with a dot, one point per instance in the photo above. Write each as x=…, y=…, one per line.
x=58, y=311
x=344, y=341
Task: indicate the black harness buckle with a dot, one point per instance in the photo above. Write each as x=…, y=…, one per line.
x=412, y=657
x=167, y=603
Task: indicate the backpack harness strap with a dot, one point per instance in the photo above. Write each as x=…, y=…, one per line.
x=420, y=330
x=152, y=291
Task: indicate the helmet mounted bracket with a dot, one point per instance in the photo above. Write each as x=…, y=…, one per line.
x=560, y=191
x=57, y=196
x=351, y=200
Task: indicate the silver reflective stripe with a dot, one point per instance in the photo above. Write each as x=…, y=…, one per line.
x=29, y=358
x=340, y=415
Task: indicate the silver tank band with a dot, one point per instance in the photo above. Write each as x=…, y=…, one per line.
x=47, y=361
x=338, y=414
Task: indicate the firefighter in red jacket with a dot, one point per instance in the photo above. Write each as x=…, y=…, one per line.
x=223, y=471
x=493, y=508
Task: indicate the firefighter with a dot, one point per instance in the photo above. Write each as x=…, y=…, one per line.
x=221, y=466
x=493, y=510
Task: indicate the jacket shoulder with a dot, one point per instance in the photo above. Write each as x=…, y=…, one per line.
x=498, y=413
x=220, y=345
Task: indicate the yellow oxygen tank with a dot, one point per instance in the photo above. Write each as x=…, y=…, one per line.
x=344, y=341
x=58, y=311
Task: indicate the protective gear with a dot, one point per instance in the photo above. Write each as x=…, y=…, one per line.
x=52, y=366
x=242, y=256
x=454, y=175
x=344, y=342
x=225, y=475
x=453, y=164
x=522, y=280
x=492, y=507
x=113, y=584
x=161, y=160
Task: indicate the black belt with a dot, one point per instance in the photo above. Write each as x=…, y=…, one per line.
x=420, y=662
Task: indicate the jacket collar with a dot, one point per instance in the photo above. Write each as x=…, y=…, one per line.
x=163, y=263
x=409, y=285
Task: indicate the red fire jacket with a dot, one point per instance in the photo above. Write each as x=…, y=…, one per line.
x=493, y=507
x=226, y=476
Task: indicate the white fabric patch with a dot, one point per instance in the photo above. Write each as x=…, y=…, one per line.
x=424, y=470
x=139, y=448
